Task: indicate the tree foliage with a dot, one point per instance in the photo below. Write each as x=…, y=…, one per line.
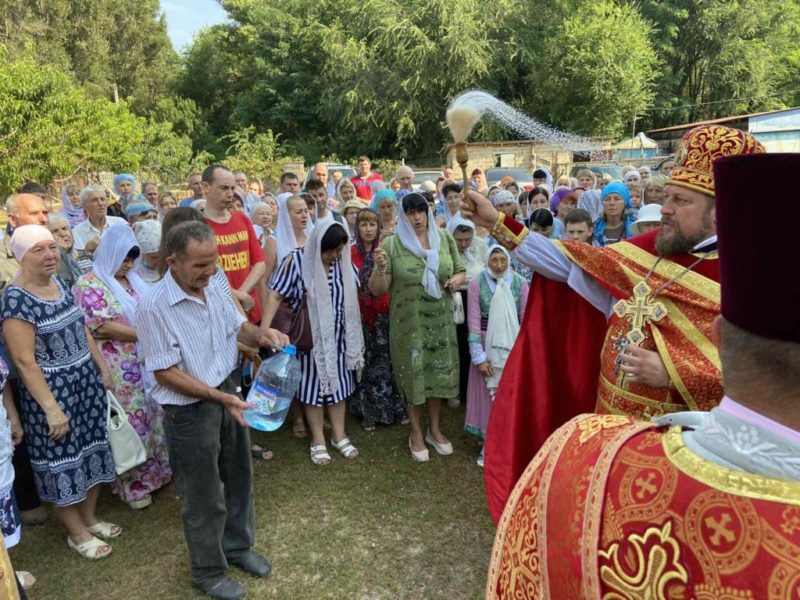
x=98, y=42
x=254, y=153
x=723, y=57
x=372, y=76
x=51, y=128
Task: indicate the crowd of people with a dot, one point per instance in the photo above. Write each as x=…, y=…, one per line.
x=413, y=299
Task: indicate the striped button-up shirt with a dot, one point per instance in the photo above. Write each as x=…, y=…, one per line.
x=176, y=329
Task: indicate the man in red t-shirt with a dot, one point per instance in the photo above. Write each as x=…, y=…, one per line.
x=240, y=255
x=364, y=180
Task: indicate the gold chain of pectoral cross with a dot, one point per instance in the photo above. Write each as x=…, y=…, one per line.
x=643, y=308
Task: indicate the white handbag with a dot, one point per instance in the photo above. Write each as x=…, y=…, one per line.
x=126, y=445
x=458, y=309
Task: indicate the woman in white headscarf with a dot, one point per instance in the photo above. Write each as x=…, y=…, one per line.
x=108, y=297
x=292, y=230
x=421, y=267
x=322, y=272
x=495, y=306
x=474, y=251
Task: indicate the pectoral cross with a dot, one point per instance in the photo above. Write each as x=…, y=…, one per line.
x=640, y=310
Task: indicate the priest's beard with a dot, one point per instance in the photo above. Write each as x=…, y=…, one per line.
x=680, y=243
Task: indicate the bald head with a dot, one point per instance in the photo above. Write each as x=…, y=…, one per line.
x=321, y=172
x=26, y=209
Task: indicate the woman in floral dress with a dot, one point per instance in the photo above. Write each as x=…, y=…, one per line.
x=377, y=400
x=108, y=297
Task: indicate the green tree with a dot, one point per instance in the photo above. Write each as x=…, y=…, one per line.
x=595, y=71
x=51, y=127
x=257, y=154
x=372, y=76
x=101, y=43
x=723, y=57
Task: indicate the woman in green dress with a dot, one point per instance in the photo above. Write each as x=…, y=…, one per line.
x=421, y=268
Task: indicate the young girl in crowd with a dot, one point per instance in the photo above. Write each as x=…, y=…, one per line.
x=377, y=400
x=495, y=305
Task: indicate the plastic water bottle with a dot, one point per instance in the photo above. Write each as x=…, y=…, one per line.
x=272, y=391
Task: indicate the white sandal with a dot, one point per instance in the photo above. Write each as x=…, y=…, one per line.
x=26, y=580
x=319, y=455
x=345, y=447
x=90, y=548
x=105, y=530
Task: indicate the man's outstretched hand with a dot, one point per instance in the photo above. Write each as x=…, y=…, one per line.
x=478, y=208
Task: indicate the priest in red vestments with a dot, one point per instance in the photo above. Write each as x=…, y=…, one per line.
x=624, y=329
x=702, y=505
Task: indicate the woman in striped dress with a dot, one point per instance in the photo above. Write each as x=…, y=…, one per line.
x=323, y=271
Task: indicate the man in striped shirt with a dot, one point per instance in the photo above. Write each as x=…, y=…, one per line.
x=188, y=330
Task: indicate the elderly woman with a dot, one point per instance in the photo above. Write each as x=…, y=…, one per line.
x=62, y=395
x=108, y=297
x=148, y=237
x=377, y=400
x=166, y=202
x=261, y=216
x=417, y=265
x=124, y=185
x=473, y=251
x=505, y=202
x=496, y=304
x=73, y=264
x=323, y=273
x=71, y=208
x=383, y=203
x=615, y=222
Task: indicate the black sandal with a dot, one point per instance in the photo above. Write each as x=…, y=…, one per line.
x=260, y=453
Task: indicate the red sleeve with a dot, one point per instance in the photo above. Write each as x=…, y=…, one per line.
x=256, y=252
x=550, y=377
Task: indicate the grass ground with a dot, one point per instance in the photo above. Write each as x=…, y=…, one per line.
x=377, y=527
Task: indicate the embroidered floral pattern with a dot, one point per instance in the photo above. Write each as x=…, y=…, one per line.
x=145, y=416
x=644, y=567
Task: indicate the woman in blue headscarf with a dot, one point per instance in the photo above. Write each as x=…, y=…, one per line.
x=615, y=222
x=125, y=187
x=383, y=203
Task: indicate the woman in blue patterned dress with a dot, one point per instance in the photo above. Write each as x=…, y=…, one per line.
x=322, y=270
x=62, y=395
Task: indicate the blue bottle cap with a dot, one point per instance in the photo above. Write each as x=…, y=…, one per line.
x=290, y=350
